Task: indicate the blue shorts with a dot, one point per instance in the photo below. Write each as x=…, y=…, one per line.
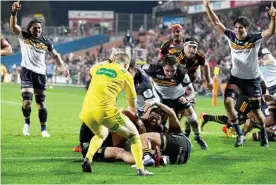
x=272, y=89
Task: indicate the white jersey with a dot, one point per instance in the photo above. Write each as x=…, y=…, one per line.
x=268, y=72
x=34, y=52
x=244, y=55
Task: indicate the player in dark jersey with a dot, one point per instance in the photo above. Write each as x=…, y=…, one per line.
x=6, y=48
x=173, y=143
x=191, y=59
x=174, y=45
x=34, y=48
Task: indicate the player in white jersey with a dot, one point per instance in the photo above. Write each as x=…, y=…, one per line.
x=245, y=76
x=34, y=48
x=268, y=73
x=171, y=82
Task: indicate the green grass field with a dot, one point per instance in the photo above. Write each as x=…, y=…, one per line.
x=36, y=160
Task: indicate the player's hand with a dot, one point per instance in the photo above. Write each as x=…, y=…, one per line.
x=209, y=86
x=148, y=104
x=16, y=7
x=206, y=2
x=271, y=11
x=183, y=100
x=66, y=73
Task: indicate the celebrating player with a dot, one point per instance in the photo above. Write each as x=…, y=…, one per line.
x=34, y=47
x=245, y=75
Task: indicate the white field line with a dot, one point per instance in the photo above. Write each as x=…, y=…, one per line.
x=40, y=158
x=10, y=102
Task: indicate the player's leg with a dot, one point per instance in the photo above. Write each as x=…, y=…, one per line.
x=85, y=137
x=27, y=97
x=192, y=120
x=101, y=133
x=254, y=97
x=40, y=96
x=118, y=154
x=221, y=119
x=121, y=125
x=231, y=94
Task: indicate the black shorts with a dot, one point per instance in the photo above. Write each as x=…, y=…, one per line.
x=177, y=147
x=248, y=87
x=175, y=104
x=30, y=79
x=272, y=90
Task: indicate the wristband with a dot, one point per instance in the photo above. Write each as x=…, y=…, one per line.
x=14, y=13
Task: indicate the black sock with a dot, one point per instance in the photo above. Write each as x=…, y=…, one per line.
x=42, y=127
x=26, y=114
x=219, y=119
x=85, y=134
x=42, y=114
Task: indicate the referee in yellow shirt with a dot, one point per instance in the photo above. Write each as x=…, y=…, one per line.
x=100, y=113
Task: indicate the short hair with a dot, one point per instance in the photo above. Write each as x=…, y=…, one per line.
x=169, y=60
x=122, y=58
x=243, y=21
x=31, y=23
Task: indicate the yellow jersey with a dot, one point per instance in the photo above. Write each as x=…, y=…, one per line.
x=108, y=80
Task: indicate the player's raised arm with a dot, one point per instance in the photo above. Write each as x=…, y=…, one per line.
x=213, y=17
x=272, y=28
x=13, y=19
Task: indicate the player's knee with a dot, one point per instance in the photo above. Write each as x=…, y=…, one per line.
x=192, y=118
x=103, y=133
x=230, y=94
x=255, y=104
x=27, y=98
x=40, y=100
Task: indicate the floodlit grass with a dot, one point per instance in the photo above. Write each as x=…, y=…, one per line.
x=36, y=160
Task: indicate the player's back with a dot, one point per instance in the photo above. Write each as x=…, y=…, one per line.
x=108, y=80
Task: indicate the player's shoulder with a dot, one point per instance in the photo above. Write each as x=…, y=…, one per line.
x=166, y=42
x=200, y=55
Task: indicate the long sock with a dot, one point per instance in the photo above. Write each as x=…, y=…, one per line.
x=95, y=143
x=136, y=150
x=195, y=127
x=26, y=114
x=219, y=119
x=42, y=127
x=237, y=129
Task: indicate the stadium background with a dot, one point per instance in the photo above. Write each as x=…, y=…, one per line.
x=87, y=40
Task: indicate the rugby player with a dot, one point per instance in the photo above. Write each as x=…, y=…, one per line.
x=34, y=47
x=245, y=75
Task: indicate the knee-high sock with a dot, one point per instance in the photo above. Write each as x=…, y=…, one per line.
x=95, y=143
x=136, y=150
x=195, y=127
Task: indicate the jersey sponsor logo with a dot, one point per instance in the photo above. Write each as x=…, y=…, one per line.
x=107, y=72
